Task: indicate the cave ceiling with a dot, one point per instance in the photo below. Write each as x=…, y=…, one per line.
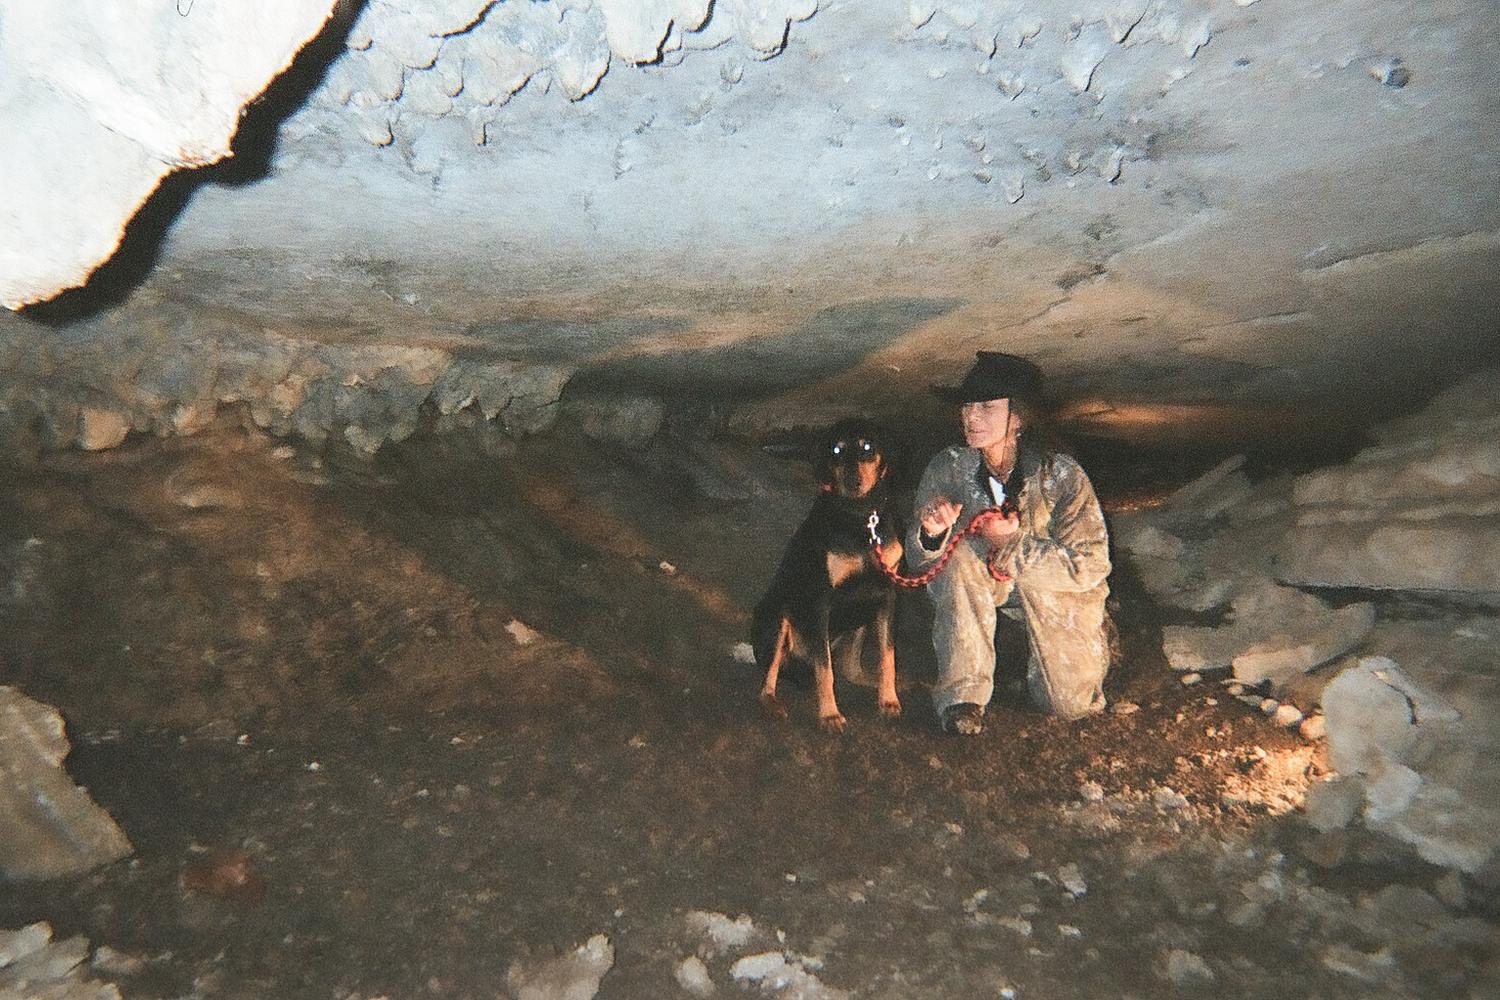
x=811, y=206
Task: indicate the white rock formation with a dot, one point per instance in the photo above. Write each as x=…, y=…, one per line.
x=1273, y=633
x=34, y=967
x=1413, y=725
x=49, y=827
x=1424, y=768
x=787, y=976
x=1419, y=511
x=164, y=378
x=110, y=99
x=574, y=976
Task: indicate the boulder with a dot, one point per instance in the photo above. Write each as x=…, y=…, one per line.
x=1397, y=551
x=49, y=827
x=1215, y=492
x=34, y=967
x=1421, y=761
x=573, y=976
x=1285, y=654
x=1273, y=633
x=1419, y=511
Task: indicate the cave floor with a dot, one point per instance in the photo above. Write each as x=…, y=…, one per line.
x=300, y=686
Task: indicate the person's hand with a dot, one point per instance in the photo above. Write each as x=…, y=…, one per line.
x=937, y=515
x=998, y=530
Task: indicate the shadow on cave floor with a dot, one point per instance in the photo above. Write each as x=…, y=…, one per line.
x=323, y=664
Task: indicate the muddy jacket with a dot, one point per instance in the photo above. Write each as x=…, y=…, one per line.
x=1058, y=563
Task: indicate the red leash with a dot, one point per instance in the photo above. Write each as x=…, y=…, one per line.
x=926, y=577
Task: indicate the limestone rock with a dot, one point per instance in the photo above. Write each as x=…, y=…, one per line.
x=1214, y=492
x=574, y=976
x=638, y=28
x=784, y=974
x=1455, y=553
x=1175, y=572
x=1272, y=633
x=1284, y=654
x=1314, y=727
x=1187, y=969
x=100, y=429
x=1374, y=709
x=1421, y=762
x=692, y=975
x=34, y=967
x=721, y=932
x=172, y=379
x=1419, y=511
x=629, y=420
x=1333, y=804
x=49, y=827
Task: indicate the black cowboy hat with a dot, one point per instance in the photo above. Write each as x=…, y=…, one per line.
x=995, y=375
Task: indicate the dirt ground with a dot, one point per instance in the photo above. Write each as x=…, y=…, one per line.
x=472, y=704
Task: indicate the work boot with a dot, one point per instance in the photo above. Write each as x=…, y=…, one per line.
x=963, y=719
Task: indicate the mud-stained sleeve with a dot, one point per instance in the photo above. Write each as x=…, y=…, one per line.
x=936, y=481
x=1074, y=555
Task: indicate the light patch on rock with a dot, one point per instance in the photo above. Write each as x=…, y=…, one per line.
x=722, y=932
x=692, y=975
x=101, y=429
x=788, y=976
x=1071, y=879
x=521, y=633
x=1187, y=969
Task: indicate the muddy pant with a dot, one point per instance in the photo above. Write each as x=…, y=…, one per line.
x=1068, y=658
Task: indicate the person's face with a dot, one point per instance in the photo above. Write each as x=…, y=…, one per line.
x=984, y=423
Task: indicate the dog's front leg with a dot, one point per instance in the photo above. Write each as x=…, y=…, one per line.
x=829, y=716
x=890, y=704
x=768, y=699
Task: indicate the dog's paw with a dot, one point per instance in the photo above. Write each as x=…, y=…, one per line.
x=891, y=709
x=834, y=723
x=772, y=705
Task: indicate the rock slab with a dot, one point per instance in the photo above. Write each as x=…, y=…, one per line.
x=49, y=827
x=34, y=967
x=1418, y=761
x=574, y=976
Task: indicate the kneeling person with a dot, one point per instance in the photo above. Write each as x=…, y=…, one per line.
x=1048, y=556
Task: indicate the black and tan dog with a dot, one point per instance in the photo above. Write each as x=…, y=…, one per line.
x=828, y=586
